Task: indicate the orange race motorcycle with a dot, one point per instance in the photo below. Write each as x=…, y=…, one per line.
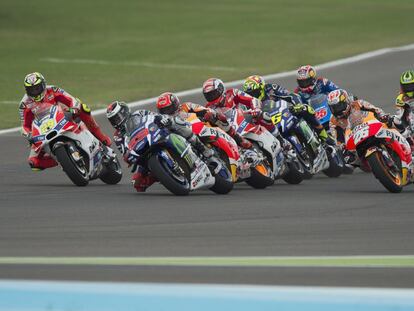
x=382, y=150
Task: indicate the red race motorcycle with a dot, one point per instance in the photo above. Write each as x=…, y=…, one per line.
x=382, y=150
x=81, y=155
x=259, y=167
x=224, y=146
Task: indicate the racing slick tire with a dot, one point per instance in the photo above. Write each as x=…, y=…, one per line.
x=111, y=173
x=77, y=174
x=167, y=178
x=295, y=175
x=381, y=172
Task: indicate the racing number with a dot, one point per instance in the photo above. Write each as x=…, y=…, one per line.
x=47, y=126
x=361, y=134
x=277, y=118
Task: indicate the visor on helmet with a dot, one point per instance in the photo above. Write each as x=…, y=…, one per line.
x=305, y=83
x=212, y=95
x=338, y=109
x=255, y=93
x=171, y=109
x=407, y=88
x=35, y=90
x=117, y=120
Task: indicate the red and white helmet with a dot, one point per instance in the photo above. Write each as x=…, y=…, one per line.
x=213, y=91
x=168, y=103
x=306, y=78
x=339, y=103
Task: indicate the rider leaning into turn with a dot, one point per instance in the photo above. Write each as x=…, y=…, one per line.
x=168, y=103
x=122, y=120
x=403, y=119
x=40, y=97
x=348, y=113
x=258, y=88
x=218, y=97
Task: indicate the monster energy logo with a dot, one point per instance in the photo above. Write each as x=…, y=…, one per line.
x=180, y=146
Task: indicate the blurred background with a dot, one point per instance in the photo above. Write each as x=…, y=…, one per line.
x=132, y=49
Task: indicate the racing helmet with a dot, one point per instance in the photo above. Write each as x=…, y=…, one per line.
x=407, y=83
x=117, y=114
x=339, y=103
x=35, y=85
x=168, y=103
x=213, y=91
x=255, y=86
x=306, y=78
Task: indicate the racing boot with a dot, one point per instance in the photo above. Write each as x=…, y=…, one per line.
x=41, y=162
x=94, y=128
x=240, y=140
x=287, y=147
x=142, y=181
x=200, y=147
x=324, y=136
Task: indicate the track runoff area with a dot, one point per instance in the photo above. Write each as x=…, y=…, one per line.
x=371, y=258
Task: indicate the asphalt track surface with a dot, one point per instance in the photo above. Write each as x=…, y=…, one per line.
x=43, y=214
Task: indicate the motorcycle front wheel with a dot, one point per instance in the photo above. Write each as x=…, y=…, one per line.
x=76, y=172
x=391, y=180
x=176, y=181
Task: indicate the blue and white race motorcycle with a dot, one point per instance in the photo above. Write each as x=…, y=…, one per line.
x=312, y=153
x=172, y=161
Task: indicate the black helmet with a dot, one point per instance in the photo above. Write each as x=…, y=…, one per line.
x=117, y=114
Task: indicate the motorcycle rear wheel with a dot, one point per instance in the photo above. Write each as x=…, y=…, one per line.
x=259, y=177
x=296, y=174
x=381, y=172
x=221, y=185
x=111, y=173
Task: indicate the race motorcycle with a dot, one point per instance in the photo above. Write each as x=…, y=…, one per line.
x=381, y=150
x=172, y=161
x=313, y=155
x=323, y=114
x=81, y=156
x=214, y=137
x=267, y=155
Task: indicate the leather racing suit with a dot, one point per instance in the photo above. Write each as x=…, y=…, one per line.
x=299, y=108
x=403, y=120
x=142, y=178
x=29, y=108
x=215, y=117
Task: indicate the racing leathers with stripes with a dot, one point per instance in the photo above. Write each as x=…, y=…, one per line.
x=142, y=178
x=29, y=108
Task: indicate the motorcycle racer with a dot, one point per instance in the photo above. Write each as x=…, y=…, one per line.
x=257, y=87
x=309, y=84
x=122, y=120
x=39, y=97
x=347, y=113
x=218, y=97
x=403, y=120
x=168, y=103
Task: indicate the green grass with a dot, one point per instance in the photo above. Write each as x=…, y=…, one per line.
x=246, y=37
x=326, y=261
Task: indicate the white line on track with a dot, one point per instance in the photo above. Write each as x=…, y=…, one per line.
x=339, y=62
x=135, y=64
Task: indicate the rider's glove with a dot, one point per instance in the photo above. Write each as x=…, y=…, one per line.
x=210, y=116
x=74, y=111
x=255, y=113
x=162, y=121
x=297, y=108
x=382, y=117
